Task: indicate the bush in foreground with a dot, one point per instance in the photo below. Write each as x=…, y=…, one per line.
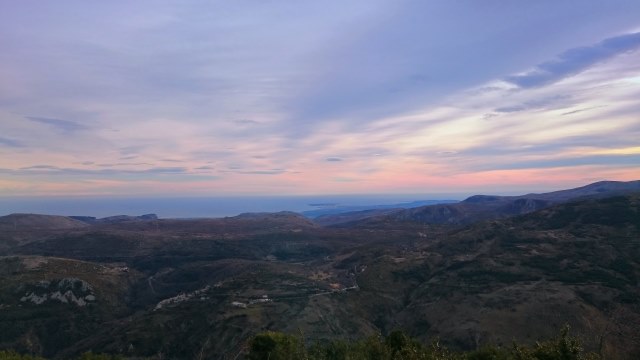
x=395, y=346
x=399, y=346
x=12, y=355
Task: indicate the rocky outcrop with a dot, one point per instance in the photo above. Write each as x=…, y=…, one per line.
x=67, y=291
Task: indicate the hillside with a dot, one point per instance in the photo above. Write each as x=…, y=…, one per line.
x=352, y=216
x=21, y=229
x=31, y=222
x=597, y=189
x=329, y=210
x=576, y=263
x=207, y=286
x=484, y=207
x=50, y=303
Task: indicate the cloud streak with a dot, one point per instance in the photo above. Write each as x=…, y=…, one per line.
x=10, y=143
x=305, y=97
x=55, y=170
x=262, y=172
x=62, y=125
x=576, y=60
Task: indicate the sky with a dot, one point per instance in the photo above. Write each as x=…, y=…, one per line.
x=274, y=97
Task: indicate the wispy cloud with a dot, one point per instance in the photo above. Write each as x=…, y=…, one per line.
x=602, y=160
x=62, y=125
x=372, y=96
x=56, y=170
x=41, y=167
x=582, y=110
x=121, y=164
x=131, y=151
x=11, y=142
x=263, y=172
x=576, y=60
x=553, y=102
x=167, y=170
x=246, y=122
x=344, y=179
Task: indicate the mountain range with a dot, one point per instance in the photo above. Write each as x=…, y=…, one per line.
x=489, y=269
x=485, y=207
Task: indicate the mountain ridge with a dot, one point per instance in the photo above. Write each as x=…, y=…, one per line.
x=485, y=207
x=124, y=288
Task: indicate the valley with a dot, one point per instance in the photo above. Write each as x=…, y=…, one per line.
x=487, y=270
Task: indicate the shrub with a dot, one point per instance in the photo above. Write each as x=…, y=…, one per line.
x=276, y=346
x=12, y=355
x=399, y=346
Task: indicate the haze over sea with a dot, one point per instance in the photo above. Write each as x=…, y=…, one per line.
x=195, y=207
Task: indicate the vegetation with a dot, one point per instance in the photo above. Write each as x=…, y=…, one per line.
x=203, y=288
x=399, y=346
x=12, y=355
x=396, y=346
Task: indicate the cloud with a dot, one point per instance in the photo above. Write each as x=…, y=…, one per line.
x=447, y=153
x=121, y=164
x=576, y=60
x=510, y=109
x=489, y=116
x=63, y=125
x=371, y=73
x=166, y=170
x=246, y=122
x=263, y=172
x=131, y=152
x=582, y=110
x=40, y=167
x=344, y=179
x=11, y=143
x=554, y=101
x=608, y=160
x=55, y=170
x=372, y=85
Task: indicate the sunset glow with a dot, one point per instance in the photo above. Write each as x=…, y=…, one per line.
x=285, y=98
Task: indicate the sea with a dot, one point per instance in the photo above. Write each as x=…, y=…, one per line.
x=198, y=207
